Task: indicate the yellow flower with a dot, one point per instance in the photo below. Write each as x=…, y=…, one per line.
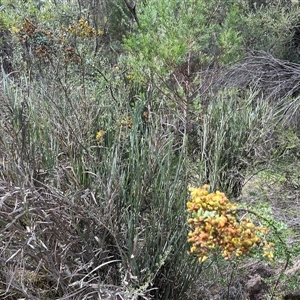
x=14, y=29
x=130, y=76
x=99, y=135
x=193, y=249
x=221, y=221
x=250, y=225
x=204, y=258
x=127, y=122
x=269, y=255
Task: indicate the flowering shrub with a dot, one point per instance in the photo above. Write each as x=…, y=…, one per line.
x=217, y=229
x=49, y=43
x=41, y=41
x=83, y=29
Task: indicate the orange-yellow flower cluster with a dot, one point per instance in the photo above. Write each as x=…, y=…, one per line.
x=216, y=228
x=83, y=29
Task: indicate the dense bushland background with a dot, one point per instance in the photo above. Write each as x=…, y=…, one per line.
x=110, y=110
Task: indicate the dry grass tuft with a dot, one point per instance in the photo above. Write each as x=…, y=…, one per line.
x=48, y=249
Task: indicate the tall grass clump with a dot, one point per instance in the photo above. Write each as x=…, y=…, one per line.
x=86, y=215
x=233, y=136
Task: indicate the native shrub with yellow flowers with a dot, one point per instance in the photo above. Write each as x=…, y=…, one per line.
x=83, y=29
x=216, y=228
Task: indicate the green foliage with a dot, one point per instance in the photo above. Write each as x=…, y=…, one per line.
x=279, y=232
x=171, y=30
x=271, y=28
x=287, y=143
